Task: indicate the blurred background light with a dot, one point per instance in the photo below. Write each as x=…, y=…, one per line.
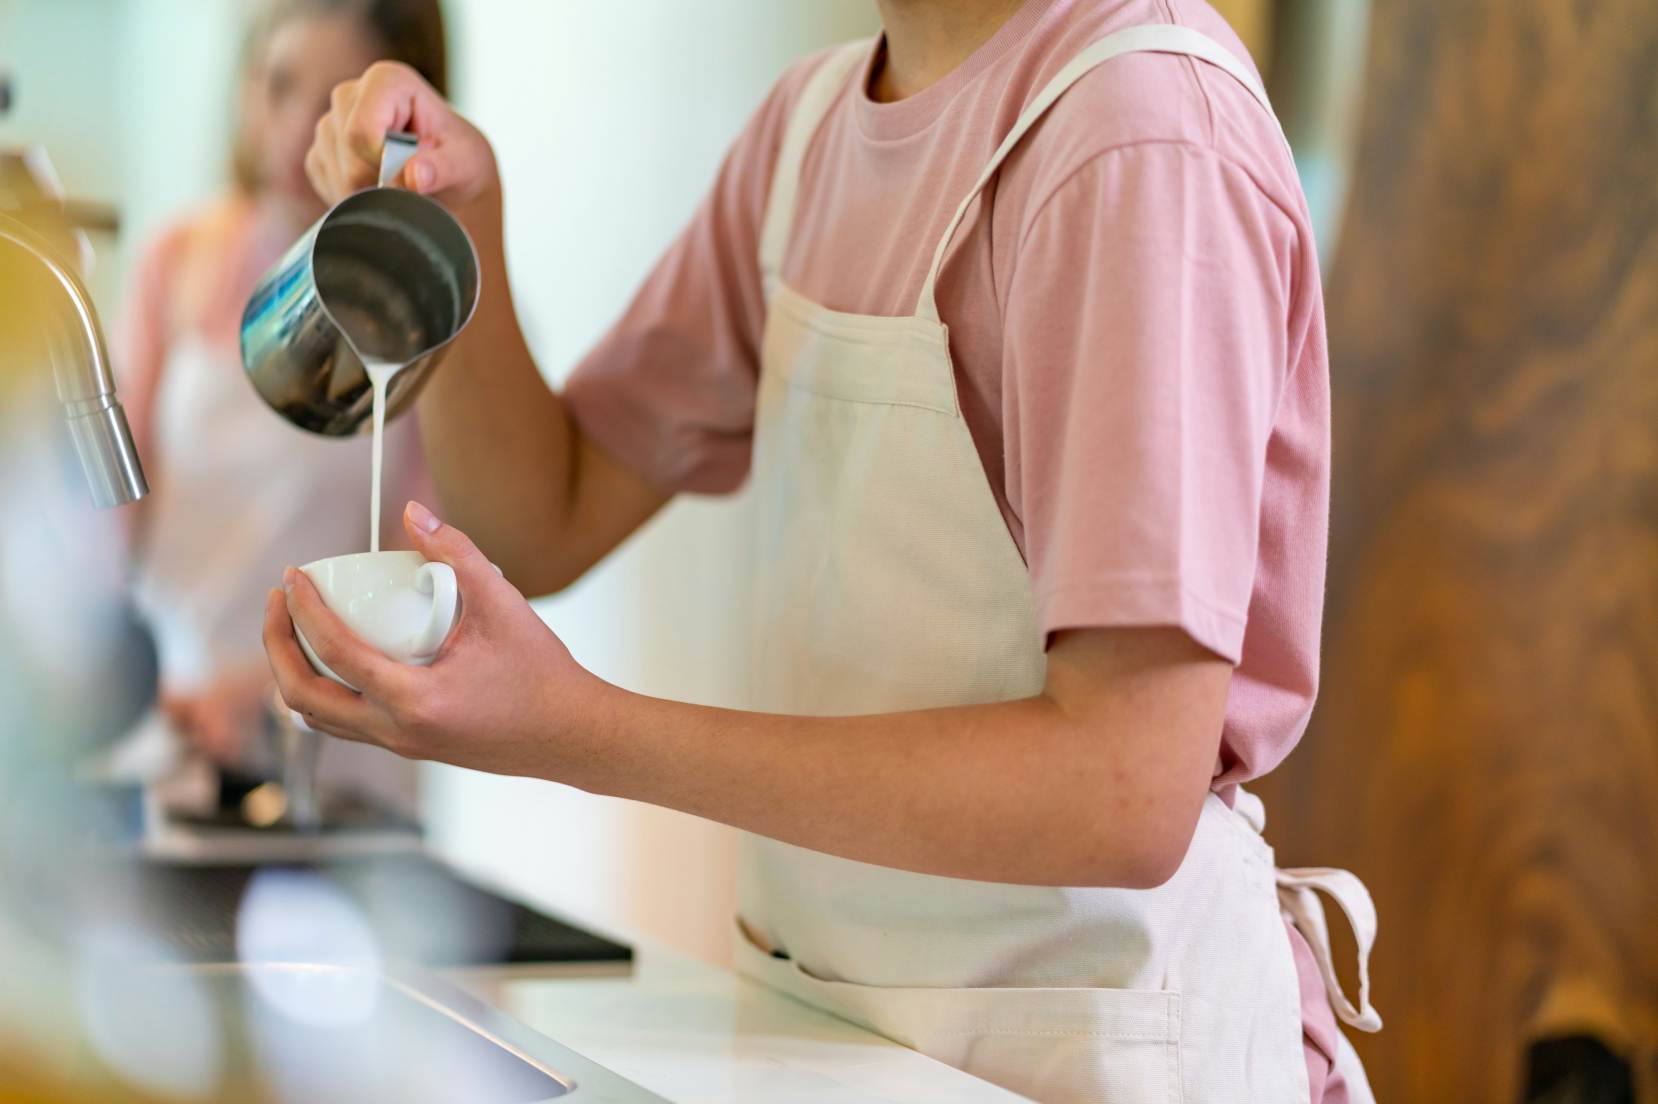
x=291, y=916
x=152, y=1023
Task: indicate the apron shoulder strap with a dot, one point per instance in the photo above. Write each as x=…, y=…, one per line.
x=1162, y=38
x=816, y=97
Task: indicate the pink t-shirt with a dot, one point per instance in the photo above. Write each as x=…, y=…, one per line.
x=1136, y=325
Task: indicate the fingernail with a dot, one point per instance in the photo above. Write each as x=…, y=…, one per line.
x=423, y=518
x=422, y=176
x=289, y=574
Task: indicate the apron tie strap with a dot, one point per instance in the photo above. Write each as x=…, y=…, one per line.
x=1298, y=891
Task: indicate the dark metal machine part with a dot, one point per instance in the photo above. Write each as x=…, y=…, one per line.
x=193, y=909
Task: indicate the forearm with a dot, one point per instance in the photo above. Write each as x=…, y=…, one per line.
x=509, y=462
x=1020, y=791
x=497, y=439
x=507, y=459
x=1097, y=780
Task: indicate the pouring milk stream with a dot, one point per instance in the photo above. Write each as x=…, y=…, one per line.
x=377, y=288
x=398, y=149
x=380, y=373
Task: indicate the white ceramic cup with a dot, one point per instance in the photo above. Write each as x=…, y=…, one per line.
x=399, y=602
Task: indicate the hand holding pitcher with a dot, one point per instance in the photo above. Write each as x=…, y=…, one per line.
x=454, y=165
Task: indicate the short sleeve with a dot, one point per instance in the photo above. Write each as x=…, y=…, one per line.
x=1144, y=357
x=669, y=391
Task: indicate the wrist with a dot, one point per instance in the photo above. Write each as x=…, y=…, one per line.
x=480, y=207
x=591, y=722
x=483, y=218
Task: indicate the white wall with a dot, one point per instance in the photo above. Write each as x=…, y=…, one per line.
x=610, y=121
x=61, y=59
x=176, y=106
x=131, y=100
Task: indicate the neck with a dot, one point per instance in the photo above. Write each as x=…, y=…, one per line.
x=926, y=39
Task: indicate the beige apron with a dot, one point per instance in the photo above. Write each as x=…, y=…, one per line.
x=886, y=580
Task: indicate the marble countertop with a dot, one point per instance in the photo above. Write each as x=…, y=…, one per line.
x=697, y=1034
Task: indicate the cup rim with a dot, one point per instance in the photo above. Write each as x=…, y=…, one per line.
x=384, y=552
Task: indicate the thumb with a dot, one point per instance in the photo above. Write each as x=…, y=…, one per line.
x=424, y=173
x=437, y=541
x=435, y=169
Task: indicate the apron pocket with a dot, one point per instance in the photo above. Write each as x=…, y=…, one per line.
x=1053, y=1045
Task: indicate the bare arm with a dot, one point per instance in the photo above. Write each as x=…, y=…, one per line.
x=509, y=462
x=1096, y=780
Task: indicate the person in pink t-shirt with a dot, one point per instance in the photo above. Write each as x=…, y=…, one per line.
x=1012, y=320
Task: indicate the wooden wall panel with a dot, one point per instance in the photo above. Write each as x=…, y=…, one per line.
x=1485, y=750
x=1252, y=20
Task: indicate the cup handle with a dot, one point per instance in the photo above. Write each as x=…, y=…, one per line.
x=438, y=580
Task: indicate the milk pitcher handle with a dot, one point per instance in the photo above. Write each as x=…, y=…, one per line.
x=438, y=580
x=400, y=146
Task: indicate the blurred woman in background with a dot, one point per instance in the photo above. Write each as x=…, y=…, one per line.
x=237, y=491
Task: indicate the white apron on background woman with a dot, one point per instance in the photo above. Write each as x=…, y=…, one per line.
x=239, y=495
x=887, y=580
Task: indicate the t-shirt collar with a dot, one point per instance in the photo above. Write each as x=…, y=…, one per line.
x=885, y=122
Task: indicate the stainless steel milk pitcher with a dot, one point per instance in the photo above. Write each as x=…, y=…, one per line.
x=386, y=274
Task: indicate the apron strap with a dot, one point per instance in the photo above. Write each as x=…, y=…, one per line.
x=817, y=96
x=1298, y=894
x=1161, y=38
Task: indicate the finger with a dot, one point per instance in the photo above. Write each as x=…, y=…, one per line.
x=315, y=723
x=340, y=733
x=352, y=171
x=319, y=159
x=301, y=688
x=298, y=686
x=340, y=649
x=317, y=174
x=480, y=582
x=385, y=100
x=353, y=168
x=340, y=99
x=433, y=170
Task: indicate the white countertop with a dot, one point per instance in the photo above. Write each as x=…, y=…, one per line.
x=697, y=1034
x=692, y=1032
